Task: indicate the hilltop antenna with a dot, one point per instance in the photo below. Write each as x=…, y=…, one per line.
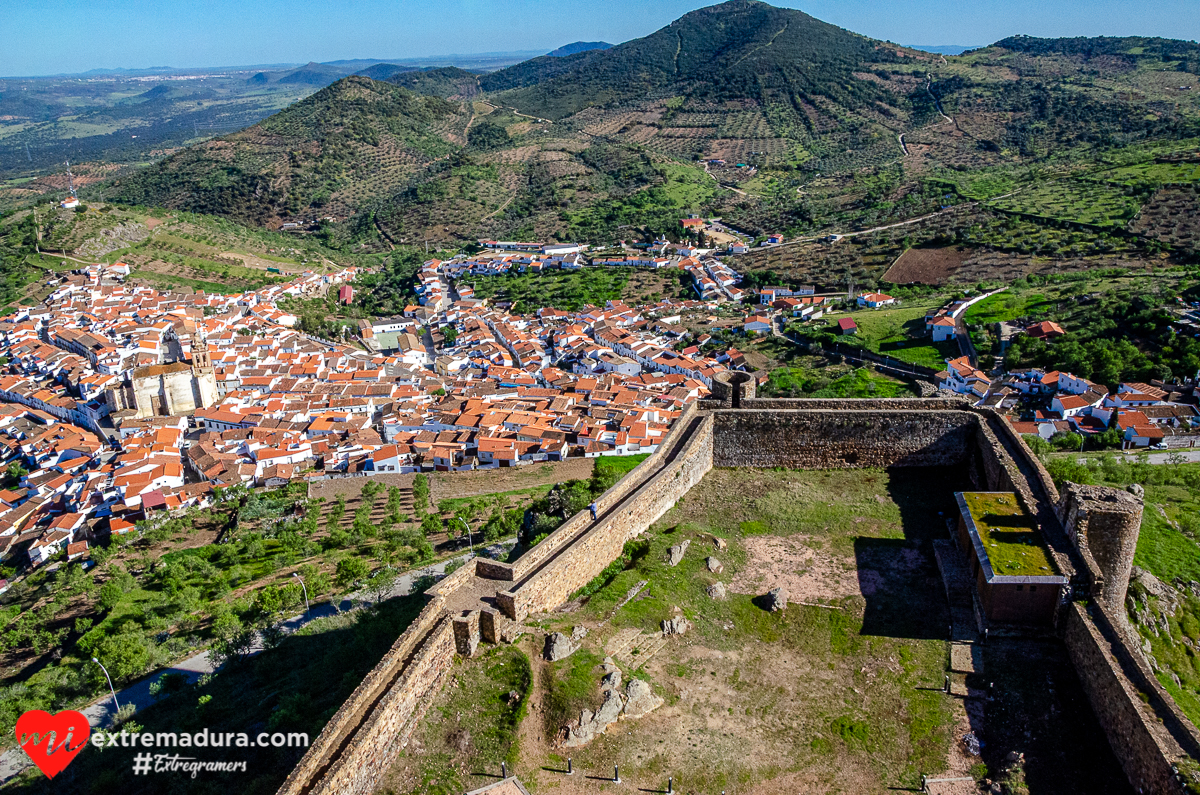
x=71, y=182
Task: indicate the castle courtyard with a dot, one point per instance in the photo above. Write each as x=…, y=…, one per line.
x=840, y=692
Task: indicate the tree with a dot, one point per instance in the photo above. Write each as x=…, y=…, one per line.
x=431, y=524
x=1067, y=442
x=488, y=135
x=111, y=595
x=15, y=472
x=336, y=512
x=125, y=655
x=381, y=583
x=351, y=570
x=420, y=493
x=233, y=640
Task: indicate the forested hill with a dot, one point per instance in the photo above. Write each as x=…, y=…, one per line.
x=326, y=153
x=445, y=81
x=774, y=120
x=740, y=49
x=1130, y=49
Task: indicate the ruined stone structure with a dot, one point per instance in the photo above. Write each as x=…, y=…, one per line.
x=1090, y=533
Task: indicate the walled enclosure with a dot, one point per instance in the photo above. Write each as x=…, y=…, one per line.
x=484, y=601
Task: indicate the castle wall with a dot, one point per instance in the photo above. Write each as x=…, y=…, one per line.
x=364, y=738
x=553, y=583
x=838, y=439
x=375, y=747
x=394, y=692
x=567, y=531
x=1144, y=735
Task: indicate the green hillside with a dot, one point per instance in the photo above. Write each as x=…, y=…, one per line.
x=740, y=49
x=325, y=154
x=446, y=81
x=1058, y=152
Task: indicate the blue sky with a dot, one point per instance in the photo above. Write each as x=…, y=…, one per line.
x=40, y=37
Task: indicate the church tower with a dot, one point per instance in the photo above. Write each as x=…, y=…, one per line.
x=204, y=378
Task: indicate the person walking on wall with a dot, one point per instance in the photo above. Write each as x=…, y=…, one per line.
x=592, y=508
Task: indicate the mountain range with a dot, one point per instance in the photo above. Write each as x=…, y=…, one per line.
x=768, y=116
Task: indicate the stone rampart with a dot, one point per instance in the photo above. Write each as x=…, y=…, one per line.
x=376, y=745
x=840, y=438
x=553, y=584
x=1145, y=734
x=567, y=532
x=357, y=711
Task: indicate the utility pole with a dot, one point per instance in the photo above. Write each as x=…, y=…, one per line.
x=110, y=684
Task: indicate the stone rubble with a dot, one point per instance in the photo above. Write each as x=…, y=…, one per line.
x=676, y=626
x=558, y=647
x=640, y=699
x=714, y=565
x=675, y=553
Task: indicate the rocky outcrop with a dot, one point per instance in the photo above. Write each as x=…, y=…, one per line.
x=776, y=600
x=714, y=565
x=716, y=590
x=592, y=724
x=676, y=626
x=675, y=554
x=640, y=699
x=559, y=647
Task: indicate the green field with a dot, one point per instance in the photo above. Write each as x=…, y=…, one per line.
x=1161, y=173
x=1073, y=200
x=569, y=290
x=1006, y=306
x=900, y=333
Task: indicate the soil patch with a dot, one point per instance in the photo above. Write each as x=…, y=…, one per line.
x=444, y=485
x=926, y=265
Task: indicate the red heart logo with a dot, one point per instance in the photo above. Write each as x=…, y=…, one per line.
x=52, y=741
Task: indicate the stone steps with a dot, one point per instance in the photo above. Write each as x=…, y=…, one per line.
x=634, y=648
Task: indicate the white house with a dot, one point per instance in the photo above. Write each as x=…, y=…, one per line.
x=942, y=329
x=875, y=300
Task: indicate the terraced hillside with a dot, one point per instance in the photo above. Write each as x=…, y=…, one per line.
x=774, y=120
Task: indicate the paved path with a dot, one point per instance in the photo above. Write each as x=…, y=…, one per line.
x=101, y=712
x=965, y=345
x=1188, y=454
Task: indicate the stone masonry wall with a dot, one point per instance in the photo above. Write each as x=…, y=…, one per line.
x=838, y=439
x=375, y=747
x=356, y=710
x=567, y=531
x=601, y=545
x=1143, y=746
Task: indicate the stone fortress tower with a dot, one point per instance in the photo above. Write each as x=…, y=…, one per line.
x=1103, y=523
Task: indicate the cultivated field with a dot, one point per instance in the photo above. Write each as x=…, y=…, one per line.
x=926, y=265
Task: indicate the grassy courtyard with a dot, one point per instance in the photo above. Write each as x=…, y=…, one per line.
x=839, y=693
